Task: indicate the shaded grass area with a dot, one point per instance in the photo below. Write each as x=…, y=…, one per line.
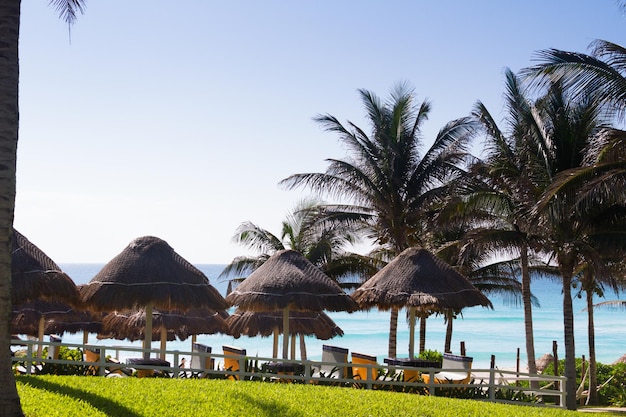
x=70, y=396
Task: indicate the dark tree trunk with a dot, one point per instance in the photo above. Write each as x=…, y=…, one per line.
x=566, y=266
x=528, y=315
x=449, y=326
x=393, y=331
x=593, y=377
x=9, y=123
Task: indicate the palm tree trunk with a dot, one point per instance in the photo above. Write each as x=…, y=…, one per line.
x=9, y=122
x=566, y=266
x=593, y=377
x=528, y=315
x=449, y=325
x=393, y=330
x=422, y=333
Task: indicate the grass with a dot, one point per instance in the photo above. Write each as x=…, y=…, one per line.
x=69, y=396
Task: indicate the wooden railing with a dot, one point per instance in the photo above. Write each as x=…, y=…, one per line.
x=492, y=384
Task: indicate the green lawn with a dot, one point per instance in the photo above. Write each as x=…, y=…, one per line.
x=71, y=396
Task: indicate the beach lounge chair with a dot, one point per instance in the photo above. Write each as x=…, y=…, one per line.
x=53, y=350
x=334, y=355
x=231, y=359
x=450, y=375
x=200, y=359
x=362, y=372
x=114, y=370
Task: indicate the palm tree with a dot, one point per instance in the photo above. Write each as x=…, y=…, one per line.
x=305, y=230
x=9, y=121
x=601, y=75
x=389, y=186
x=573, y=237
x=504, y=188
x=599, y=180
x=472, y=229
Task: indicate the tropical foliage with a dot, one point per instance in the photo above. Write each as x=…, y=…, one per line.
x=305, y=230
x=389, y=187
x=583, y=206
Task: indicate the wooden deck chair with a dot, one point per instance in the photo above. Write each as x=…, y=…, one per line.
x=231, y=359
x=114, y=370
x=334, y=355
x=450, y=375
x=364, y=373
x=90, y=355
x=53, y=350
x=201, y=360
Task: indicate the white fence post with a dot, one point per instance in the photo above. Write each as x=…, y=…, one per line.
x=492, y=378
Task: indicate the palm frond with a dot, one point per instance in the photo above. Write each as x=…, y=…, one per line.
x=68, y=9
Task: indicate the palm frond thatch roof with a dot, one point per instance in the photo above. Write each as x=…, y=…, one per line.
x=149, y=271
x=131, y=325
x=417, y=278
x=288, y=280
x=309, y=323
x=75, y=322
x=34, y=276
x=26, y=317
x=621, y=359
x=543, y=362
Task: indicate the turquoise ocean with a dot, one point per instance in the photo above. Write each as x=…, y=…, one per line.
x=486, y=332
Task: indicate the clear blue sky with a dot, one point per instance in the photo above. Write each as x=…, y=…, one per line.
x=178, y=119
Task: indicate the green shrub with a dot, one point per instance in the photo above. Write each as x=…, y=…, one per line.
x=67, y=354
x=431, y=355
x=614, y=393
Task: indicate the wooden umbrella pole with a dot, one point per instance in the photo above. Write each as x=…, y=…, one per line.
x=286, y=333
x=302, y=348
x=40, y=335
x=85, y=337
x=275, y=345
x=163, y=342
x=147, y=337
x=293, y=346
x=411, y=332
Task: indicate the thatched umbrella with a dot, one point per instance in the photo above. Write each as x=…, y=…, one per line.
x=148, y=273
x=34, y=276
x=288, y=281
x=264, y=324
x=544, y=361
x=31, y=318
x=78, y=320
x=74, y=322
x=166, y=325
x=417, y=279
x=621, y=359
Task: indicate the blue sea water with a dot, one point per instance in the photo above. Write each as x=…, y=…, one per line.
x=486, y=332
